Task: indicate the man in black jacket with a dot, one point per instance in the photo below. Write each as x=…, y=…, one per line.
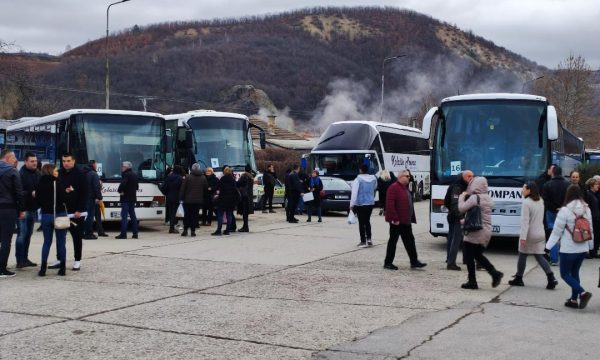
x=455, y=234
x=128, y=190
x=269, y=180
x=74, y=180
x=94, y=198
x=12, y=205
x=294, y=191
x=553, y=193
x=30, y=176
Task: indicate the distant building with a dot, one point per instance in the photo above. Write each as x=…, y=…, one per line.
x=280, y=138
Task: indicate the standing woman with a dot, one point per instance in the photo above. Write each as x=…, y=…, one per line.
x=475, y=242
x=228, y=197
x=208, y=206
x=315, y=185
x=170, y=189
x=593, y=185
x=246, y=187
x=191, y=193
x=572, y=253
x=362, y=201
x=383, y=183
x=533, y=237
x=44, y=194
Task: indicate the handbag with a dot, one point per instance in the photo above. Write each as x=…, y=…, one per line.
x=473, y=219
x=60, y=222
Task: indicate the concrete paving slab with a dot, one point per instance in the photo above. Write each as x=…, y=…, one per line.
x=12, y=322
x=98, y=341
x=343, y=355
x=307, y=325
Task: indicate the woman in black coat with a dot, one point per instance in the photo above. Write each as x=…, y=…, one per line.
x=208, y=206
x=593, y=185
x=315, y=186
x=227, y=198
x=170, y=189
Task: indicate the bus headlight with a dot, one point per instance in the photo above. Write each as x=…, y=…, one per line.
x=437, y=205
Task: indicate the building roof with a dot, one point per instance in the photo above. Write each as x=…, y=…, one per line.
x=278, y=133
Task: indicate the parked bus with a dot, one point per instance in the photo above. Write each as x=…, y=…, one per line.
x=508, y=138
x=109, y=137
x=592, y=156
x=345, y=145
x=213, y=139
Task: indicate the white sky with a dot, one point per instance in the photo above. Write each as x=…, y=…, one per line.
x=544, y=31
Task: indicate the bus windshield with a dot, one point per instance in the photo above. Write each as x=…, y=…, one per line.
x=112, y=139
x=344, y=166
x=222, y=141
x=493, y=138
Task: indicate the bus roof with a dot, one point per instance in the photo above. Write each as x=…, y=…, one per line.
x=374, y=125
x=66, y=114
x=184, y=117
x=495, y=96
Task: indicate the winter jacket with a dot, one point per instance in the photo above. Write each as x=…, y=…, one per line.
x=75, y=200
x=245, y=185
x=171, y=187
x=532, y=227
x=553, y=192
x=566, y=217
x=363, y=190
x=11, y=188
x=93, y=181
x=29, y=180
x=128, y=187
x=294, y=185
x=399, y=205
x=594, y=205
x=44, y=194
x=478, y=186
x=451, y=199
x=213, y=182
x=229, y=196
x=269, y=180
x=193, y=188
x=315, y=185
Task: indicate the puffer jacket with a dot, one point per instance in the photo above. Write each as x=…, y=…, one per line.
x=193, y=187
x=566, y=217
x=478, y=186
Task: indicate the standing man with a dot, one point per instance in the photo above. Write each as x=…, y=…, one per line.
x=94, y=198
x=12, y=205
x=269, y=179
x=30, y=176
x=294, y=193
x=455, y=234
x=553, y=193
x=76, y=187
x=128, y=190
x=399, y=212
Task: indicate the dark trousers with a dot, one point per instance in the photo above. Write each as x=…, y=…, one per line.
x=8, y=220
x=245, y=210
x=472, y=252
x=128, y=209
x=191, y=215
x=88, y=228
x=207, y=210
x=408, y=239
x=24, y=231
x=268, y=198
x=171, y=209
x=455, y=239
x=363, y=213
x=76, y=230
x=293, y=200
x=596, y=225
x=230, y=219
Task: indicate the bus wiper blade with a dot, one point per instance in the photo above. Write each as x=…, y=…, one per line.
x=333, y=136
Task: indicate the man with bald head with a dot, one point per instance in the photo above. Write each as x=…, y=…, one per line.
x=455, y=234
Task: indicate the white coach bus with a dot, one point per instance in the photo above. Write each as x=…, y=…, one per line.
x=508, y=138
x=345, y=145
x=109, y=137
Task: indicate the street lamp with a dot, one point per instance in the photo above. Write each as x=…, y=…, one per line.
x=106, y=82
x=529, y=81
x=386, y=60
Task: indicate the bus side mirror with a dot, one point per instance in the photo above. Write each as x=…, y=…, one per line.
x=552, y=122
x=425, y=132
x=189, y=139
x=168, y=142
x=263, y=139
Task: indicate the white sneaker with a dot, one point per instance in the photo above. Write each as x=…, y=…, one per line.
x=54, y=265
x=76, y=265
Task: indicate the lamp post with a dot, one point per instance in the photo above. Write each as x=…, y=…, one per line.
x=386, y=60
x=529, y=81
x=106, y=80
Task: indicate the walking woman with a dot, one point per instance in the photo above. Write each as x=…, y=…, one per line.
x=593, y=185
x=192, y=194
x=228, y=197
x=315, y=185
x=362, y=201
x=208, y=206
x=475, y=242
x=572, y=253
x=45, y=197
x=533, y=237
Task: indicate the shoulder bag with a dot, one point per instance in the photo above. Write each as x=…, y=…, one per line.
x=60, y=222
x=473, y=219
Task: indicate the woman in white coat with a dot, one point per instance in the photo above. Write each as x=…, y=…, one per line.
x=572, y=253
x=532, y=237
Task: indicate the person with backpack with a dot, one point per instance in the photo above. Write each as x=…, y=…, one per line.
x=573, y=228
x=532, y=236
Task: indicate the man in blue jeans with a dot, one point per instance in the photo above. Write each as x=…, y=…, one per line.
x=128, y=190
x=30, y=176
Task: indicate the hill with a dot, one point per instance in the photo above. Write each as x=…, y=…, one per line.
x=300, y=59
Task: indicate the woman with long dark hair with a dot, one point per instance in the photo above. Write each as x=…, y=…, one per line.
x=227, y=199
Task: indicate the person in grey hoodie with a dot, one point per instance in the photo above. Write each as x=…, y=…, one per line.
x=572, y=253
x=362, y=201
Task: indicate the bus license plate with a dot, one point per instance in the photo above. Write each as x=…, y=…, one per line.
x=495, y=228
x=343, y=197
x=115, y=214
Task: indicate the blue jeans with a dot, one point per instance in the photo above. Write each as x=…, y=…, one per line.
x=8, y=219
x=61, y=238
x=24, y=231
x=88, y=229
x=229, y=214
x=569, y=272
x=128, y=209
x=550, y=219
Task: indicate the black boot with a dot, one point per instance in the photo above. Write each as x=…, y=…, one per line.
x=184, y=233
x=496, y=278
x=471, y=285
x=518, y=281
x=63, y=269
x=552, y=282
x=43, y=268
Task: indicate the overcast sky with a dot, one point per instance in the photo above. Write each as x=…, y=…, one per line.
x=544, y=31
